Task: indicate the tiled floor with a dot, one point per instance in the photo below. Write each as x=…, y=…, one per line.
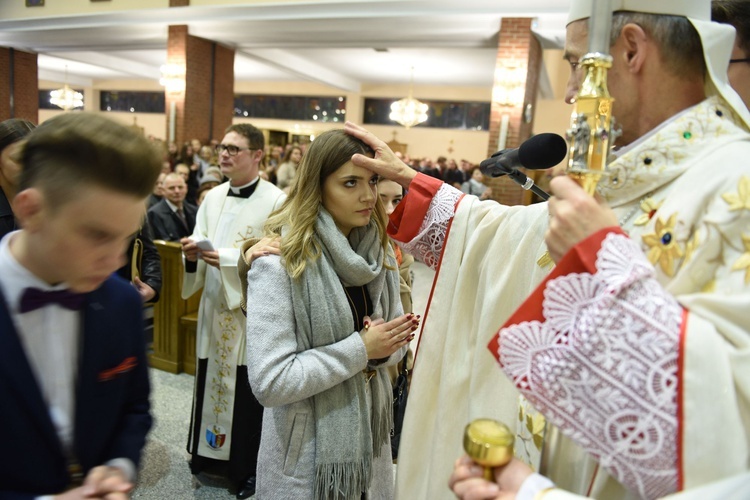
x=164, y=471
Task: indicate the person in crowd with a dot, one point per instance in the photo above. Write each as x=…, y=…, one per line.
x=204, y=188
x=173, y=218
x=425, y=166
x=391, y=193
x=173, y=155
x=214, y=174
x=737, y=13
x=73, y=370
x=286, y=171
x=212, y=178
x=226, y=418
x=466, y=168
x=269, y=173
x=204, y=159
x=450, y=173
x=11, y=131
x=325, y=321
x=621, y=348
x=158, y=192
x=476, y=186
x=183, y=170
x=275, y=157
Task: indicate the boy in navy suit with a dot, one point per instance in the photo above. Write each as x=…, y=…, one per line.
x=73, y=375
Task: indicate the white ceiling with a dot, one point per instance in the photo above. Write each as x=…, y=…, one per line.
x=448, y=42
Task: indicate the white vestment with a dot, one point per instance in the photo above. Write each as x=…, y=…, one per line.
x=227, y=221
x=683, y=196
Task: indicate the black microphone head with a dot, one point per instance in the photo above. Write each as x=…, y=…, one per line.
x=542, y=151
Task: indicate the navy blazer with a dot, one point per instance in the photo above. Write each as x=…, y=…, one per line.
x=167, y=226
x=112, y=410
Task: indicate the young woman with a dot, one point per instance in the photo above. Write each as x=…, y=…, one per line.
x=324, y=322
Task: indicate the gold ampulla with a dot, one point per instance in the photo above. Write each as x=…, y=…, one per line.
x=489, y=443
x=591, y=124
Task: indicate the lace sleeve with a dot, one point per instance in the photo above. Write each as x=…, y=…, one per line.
x=427, y=245
x=603, y=365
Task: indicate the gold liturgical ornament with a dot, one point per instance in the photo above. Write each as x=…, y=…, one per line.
x=591, y=128
x=489, y=443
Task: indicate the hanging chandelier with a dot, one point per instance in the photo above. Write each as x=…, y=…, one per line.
x=409, y=111
x=66, y=98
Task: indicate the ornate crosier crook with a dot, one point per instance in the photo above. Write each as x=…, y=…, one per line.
x=591, y=123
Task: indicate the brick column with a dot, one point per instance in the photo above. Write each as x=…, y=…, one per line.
x=205, y=107
x=19, y=85
x=517, y=48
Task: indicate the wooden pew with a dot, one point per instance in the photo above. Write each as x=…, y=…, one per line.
x=175, y=319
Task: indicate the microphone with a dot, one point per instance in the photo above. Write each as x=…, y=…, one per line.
x=537, y=153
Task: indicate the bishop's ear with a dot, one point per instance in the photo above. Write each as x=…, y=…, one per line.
x=633, y=43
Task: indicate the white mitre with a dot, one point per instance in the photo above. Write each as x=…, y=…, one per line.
x=717, y=39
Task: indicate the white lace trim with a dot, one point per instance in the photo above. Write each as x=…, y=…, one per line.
x=427, y=245
x=603, y=366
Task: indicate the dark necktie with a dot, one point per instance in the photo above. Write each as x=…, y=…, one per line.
x=34, y=298
x=181, y=215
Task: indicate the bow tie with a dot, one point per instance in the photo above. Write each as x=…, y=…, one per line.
x=34, y=298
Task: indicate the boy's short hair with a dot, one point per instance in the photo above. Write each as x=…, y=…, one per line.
x=255, y=139
x=76, y=149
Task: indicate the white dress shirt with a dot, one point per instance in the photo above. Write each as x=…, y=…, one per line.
x=50, y=338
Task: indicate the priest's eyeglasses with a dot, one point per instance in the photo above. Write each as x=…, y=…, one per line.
x=747, y=60
x=231, y=150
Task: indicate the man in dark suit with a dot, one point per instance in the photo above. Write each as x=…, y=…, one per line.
x=73, y=375
x=172, y=218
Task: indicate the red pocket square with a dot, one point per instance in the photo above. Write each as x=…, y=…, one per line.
x=124, y=367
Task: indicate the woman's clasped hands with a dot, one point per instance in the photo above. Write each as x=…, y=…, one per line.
x=384, y=338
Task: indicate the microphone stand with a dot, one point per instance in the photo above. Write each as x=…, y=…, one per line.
x=522, y=180
x=527, y=183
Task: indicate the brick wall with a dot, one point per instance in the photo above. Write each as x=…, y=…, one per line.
x=198, y=89
x=206, y=106
x=516, y=45
x=25, y=85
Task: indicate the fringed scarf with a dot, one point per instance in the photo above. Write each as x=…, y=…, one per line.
x=347, y=437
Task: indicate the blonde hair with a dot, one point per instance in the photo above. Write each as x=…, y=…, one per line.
x=298, y=214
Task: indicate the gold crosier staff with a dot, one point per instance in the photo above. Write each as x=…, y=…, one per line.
x=486, y=441
x=591, y=124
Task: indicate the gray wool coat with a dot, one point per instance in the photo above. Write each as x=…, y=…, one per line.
x=284, y=377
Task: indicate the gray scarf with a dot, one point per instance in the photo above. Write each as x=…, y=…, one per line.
x=346, y=437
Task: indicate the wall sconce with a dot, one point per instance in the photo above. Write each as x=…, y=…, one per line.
x=510, y=86
x=173, y=81
x=509, y=91
x=173, y=78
